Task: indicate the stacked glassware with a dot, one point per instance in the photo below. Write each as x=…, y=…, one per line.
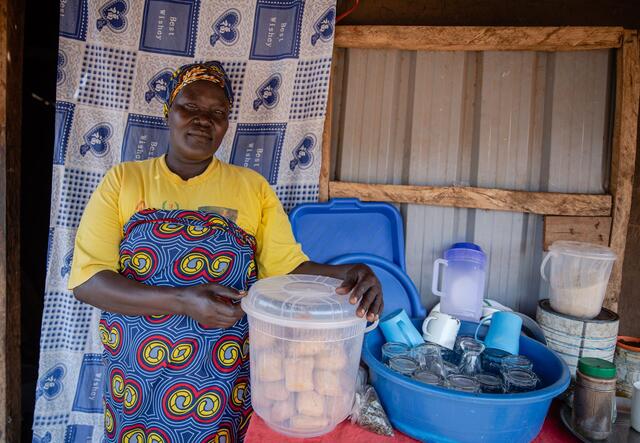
x=468, y=368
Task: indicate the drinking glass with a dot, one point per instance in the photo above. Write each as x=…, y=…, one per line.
x=492, y=360
x=393, y=349
x=404, y=365
x=429, y=357
x=463, y=383
x=519, y=380
x=490, y=383
x=428, y=377
x=517, y=362
x=470, y=361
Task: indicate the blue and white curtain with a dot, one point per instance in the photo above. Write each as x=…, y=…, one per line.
x=114, y=61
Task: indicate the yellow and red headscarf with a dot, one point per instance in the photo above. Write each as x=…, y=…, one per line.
x=211, y=71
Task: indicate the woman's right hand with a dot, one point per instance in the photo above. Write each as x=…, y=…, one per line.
x=212, y=305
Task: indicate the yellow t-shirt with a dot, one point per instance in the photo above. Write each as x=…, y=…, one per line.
x=238, y=193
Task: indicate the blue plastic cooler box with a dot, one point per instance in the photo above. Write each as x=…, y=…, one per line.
x=435, y=414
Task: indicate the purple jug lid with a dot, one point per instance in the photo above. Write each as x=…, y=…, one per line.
x=466, y=245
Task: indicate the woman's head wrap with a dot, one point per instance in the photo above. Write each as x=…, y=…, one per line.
x=211, y=71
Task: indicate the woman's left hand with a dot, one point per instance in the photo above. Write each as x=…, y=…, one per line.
x=366, y=288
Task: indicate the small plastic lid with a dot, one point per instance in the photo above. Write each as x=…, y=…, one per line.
x=596, y=367
x=304, y=301
x=466, y=252
x=581, y=249
x=629, y=343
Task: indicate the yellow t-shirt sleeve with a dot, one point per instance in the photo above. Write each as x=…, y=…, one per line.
x=99, y=235
x=277, y=253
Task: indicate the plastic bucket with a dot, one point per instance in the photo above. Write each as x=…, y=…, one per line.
x=578, y=278
x=431, y=413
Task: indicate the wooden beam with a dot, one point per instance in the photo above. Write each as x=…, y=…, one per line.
x=478, y=38
x=623, y=156
x=584, y=229
x=544, y=203
x=11, y=31
x=325, y=165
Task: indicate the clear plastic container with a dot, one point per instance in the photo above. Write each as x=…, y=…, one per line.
x=578, y=277
x=463, y=281
x=305, y=351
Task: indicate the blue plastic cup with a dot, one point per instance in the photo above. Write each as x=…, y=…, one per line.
x=504, y=332
x=398, y=328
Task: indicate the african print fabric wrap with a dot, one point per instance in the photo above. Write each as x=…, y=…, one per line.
x=115, y=62
x=211, y=71
x=169, y=378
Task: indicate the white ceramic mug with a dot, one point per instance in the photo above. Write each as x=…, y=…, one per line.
x=441, y=329
x=635, y=407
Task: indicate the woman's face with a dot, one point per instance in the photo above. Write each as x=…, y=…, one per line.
x=198, y=119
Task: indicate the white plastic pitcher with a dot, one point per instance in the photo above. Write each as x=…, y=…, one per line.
x=578, y=278
x=463, y=281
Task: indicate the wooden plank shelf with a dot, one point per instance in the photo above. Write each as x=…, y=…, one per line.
x=544, y=203
x=478, y=38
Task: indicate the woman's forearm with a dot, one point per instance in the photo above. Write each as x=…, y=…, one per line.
x=112, y=292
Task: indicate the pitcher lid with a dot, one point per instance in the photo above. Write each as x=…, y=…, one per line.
x=306, y=301
x=583, y=250
x=466, y=245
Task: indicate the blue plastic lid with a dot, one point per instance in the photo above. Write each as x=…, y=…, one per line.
x=348, y=226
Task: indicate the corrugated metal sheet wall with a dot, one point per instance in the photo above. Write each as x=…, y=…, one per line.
x=512, y=120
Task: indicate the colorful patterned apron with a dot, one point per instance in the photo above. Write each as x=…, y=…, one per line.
x=169, y=378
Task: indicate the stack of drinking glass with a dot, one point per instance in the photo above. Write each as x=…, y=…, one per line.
x=469, y=367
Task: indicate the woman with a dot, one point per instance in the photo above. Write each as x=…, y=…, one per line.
x=169, y=280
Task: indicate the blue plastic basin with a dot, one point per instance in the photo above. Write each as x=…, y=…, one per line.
x=431, y=413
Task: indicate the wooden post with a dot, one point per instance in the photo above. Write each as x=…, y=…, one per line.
x=11, y=26
x=326, y=136
x=623, y=155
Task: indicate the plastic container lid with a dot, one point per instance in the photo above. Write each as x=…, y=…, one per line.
x=466, y=251
x=596, y=367
x=302, y=301
x=584, y=250
x=466, y=245
x=629, y=343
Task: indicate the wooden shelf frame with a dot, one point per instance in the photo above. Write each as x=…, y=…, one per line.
x=617, y=205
